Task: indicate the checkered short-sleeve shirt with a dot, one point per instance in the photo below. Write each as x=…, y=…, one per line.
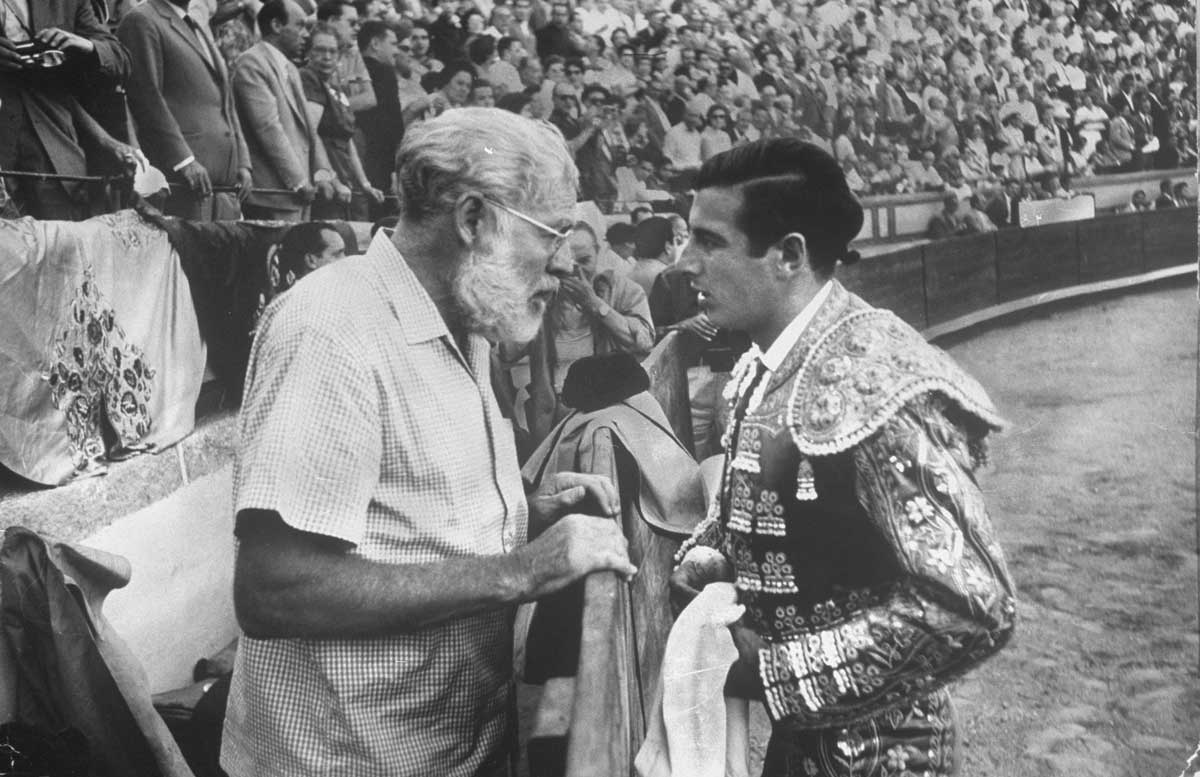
x=363, y=421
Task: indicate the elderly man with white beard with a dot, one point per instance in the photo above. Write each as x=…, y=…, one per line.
x=381, y=522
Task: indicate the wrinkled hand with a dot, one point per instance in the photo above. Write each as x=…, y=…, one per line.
x=373, y=194
x=245, y=182
x=563, y=492
x=575, y=546
x=700, y=326
x=65, y=41
x=197, y=178
x=324, y=189
x=580, y=292
x=697, y=570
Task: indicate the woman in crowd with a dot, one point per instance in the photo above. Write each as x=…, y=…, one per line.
x=329, y=107
x=715, y=136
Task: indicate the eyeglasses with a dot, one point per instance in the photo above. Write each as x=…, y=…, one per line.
x=560, y=236
x=405, y=49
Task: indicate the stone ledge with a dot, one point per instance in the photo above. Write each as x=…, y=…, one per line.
x=79, y=509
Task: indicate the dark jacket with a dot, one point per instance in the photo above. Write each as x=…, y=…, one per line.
x=382, y=126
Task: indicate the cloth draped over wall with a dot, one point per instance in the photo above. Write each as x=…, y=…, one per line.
x=100, y=352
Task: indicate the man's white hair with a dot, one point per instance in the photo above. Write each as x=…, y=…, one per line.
x=517, y=161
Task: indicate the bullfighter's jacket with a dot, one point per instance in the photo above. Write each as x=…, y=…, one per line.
x=850, y=513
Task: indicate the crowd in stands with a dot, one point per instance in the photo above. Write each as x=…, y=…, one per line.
x=293, y=109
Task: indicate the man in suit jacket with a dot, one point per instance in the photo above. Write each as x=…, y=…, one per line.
x=383, y=125
x=285, y=152
x=1004, y=208
x=182, y=103
x=38, y=108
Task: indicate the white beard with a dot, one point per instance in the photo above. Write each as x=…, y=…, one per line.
x=497, y=301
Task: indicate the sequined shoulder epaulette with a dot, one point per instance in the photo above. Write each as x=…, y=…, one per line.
x=861, y=371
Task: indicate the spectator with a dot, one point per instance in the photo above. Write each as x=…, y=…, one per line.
x=423, y=60
x=1122, y=141
x=304, y=248
x=594, y=313
x=352, y=76
x=974, y=219
x=556, y=39
x=285, y=151
x=636, y=217
x=382, y=126
x=715, y=137
x=503, y=72
x=183, y=106
x=1137, y=202
x=38, y=109
x=1004, y=208
x=1049, y=142
x=618, y=257
x=483, y=94
x=330, y=108
x=925, y=177
x=1166, y=198
x=652, y=242
x=948, y=222
x=681, y=146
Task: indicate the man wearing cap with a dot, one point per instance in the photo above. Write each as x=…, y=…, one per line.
x=848, y=513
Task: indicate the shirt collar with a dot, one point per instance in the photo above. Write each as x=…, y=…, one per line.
x=180, y=12
x=779, y=349
x=409, y=300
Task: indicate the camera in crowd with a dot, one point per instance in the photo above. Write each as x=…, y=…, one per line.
x=36, y=53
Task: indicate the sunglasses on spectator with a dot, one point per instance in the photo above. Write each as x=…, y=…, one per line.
x=560, y=236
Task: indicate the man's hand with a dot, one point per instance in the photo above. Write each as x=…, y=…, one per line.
x=700, y=326
x=581, y=293
x=245, y=182
x=10, y=60
x=700, y=567
x=341, y=192
x=575, y=546
x=65, y=41
x=305, y=193
x=564, y=492
x=197, y=178
x=743, y=680
x=324, y=189
x=373, y=194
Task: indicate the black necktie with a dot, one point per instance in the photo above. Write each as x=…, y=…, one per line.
x=206, y=52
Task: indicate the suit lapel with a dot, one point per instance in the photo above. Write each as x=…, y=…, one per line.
x=180, y=27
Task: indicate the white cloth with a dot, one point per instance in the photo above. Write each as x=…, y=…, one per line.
x=694, y=730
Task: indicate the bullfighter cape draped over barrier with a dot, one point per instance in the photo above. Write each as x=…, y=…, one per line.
x=98, y=337
x=861, y=544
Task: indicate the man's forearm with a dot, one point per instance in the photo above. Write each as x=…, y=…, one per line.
x=289, y=584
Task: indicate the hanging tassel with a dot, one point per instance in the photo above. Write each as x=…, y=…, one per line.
x=806, y=484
